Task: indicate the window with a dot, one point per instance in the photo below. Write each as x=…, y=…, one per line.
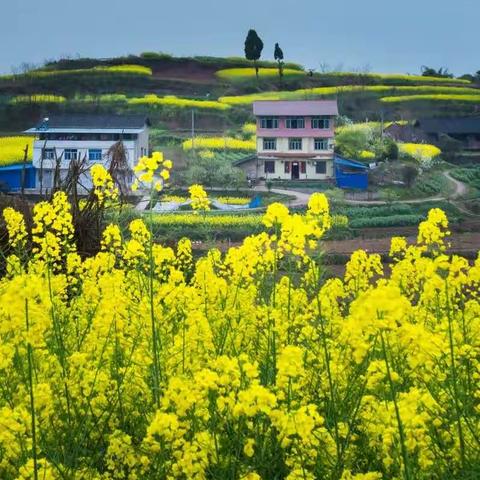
x=95, y=154
x=269, y=143
x=321, y=167
x=294, y=143
x=321, y=122
x=287, y=167
x=49, y=154
x=269, y=122
x=303, y=167
x=321, y=144
x=295, y=122
x=70, y=154
x=269, y=166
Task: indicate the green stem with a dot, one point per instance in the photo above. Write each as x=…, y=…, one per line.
x=403, y=447
x=454, y=380
x=32, y=397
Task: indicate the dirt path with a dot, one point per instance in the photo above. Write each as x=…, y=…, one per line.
x=460, y=188
x=301, y=199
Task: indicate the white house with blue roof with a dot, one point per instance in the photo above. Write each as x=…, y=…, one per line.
x=64, y=138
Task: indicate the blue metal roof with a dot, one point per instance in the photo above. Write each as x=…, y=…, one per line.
x=16, y=166
x=350, y=163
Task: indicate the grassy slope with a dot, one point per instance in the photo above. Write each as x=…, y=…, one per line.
x=92, y=85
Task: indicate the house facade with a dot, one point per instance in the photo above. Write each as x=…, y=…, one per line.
x=295, y=140
x=65, y=138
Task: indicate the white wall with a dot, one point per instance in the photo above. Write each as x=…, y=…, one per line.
x=308, y=146
x=133, y=150
x=310, y=174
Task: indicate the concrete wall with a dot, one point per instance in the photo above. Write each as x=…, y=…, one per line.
x=308, y=146
x=308, y=131
x=134, y=149
x=256, y=169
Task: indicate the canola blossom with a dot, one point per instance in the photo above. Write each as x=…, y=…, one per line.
x=222, y=199
x=151, y=173
x=141, y=362
x=422, y=152
x=472, y=97
x=219, y=143
x=38, y=98
x=395, y=92
x=12, y=149
x=173, y=101
x=244, y=73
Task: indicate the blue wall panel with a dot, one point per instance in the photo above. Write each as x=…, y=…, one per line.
x=11, y=177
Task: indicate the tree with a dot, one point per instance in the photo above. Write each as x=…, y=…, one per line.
x=431, y=72
x=409, y=174
x=278, y=55
x=253, y=48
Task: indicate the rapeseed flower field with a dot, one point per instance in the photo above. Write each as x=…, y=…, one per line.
x=220, y=143
x=142, y=363
x=12, y=149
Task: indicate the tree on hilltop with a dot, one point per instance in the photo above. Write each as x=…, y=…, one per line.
x=278, y=55
x=253, y=48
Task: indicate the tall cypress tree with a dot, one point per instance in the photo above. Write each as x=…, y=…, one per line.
x=253, y=48
x=278, y=55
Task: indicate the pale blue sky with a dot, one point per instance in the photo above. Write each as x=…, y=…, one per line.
x=384, y=35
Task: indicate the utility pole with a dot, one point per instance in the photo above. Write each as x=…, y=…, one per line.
x=193, y=130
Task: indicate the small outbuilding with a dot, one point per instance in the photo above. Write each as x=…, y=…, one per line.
x=14, y=177
x=350, y=173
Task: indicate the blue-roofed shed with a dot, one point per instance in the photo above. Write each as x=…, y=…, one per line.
x=350, y=173
x=13, y=176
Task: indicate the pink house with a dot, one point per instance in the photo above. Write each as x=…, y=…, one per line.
x=294, y=140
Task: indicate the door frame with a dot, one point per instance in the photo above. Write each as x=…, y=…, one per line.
x=295, y=167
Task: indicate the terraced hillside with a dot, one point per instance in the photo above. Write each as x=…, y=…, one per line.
x=220, y=90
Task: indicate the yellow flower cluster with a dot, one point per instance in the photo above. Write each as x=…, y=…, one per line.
x=421, y=152
x=220, y=143
x=171, y=100
x=142, y=363
x=249, y=128
x=199, y=198
x=38, y=98
x=367, y=155
x=221, y=220
x=15, y=224
x=103, y=184
x=440, y=97
x=12, y=149
x=152, y=172
x=227, y=200
x=243, y=73
x=115, y=69
x=398, y=93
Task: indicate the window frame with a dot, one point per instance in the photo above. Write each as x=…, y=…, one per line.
x=264, y=121
x=317, y=164
x=295, y=140
x=70, y=150
x=269, y=140
x=320, y=140
x=295, y=122
x=320, y=122
x=46, y=154
x=96, y=150
x=270, y=163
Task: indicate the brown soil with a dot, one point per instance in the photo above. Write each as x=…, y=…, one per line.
x=461, y=243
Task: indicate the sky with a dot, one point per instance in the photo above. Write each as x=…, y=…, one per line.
x=360, y=35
